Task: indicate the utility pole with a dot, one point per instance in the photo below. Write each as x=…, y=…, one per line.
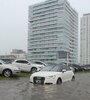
x=67, y=58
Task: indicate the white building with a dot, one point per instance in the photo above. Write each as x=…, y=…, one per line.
x=53, y=32
x=85, y=39
x=18, y=53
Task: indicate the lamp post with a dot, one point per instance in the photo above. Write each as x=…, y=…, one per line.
x=67, y=58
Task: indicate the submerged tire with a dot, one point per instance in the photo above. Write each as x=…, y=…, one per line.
x=73, y=78
x=59, y=81
x=33, y=70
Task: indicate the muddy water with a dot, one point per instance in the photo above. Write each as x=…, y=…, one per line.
x=21, y=89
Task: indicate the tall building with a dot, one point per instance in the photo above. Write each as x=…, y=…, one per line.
x=85, y=39
x=53, y=32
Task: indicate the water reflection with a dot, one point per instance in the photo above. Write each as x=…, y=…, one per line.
x=21, y=89
x=49, y=92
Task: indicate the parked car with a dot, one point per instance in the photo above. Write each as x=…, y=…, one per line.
x=27, y=66
x=76, y=67
x=40, y=63
x=88, y=67
x=72, y=68
x=8, y=70
x=85, y=67
x=55, y=74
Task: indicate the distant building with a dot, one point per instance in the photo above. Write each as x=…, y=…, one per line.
x=85, y=39
x=19, y=54
x=7, y=58
x=53, y=32
x=15, y=54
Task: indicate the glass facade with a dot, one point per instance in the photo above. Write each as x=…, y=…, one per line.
x=53, y=32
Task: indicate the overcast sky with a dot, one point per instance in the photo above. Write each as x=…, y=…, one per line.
x=14, y=22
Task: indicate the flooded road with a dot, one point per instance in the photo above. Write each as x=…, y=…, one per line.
x=21, y=89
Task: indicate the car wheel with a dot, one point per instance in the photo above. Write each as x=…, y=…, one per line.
x=33, y=70
x=7, y=73
x=59, y=81
x=73, y=78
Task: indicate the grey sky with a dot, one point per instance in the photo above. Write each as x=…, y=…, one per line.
x=14, y=22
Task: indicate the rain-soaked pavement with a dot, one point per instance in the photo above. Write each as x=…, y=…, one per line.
x=21, y=89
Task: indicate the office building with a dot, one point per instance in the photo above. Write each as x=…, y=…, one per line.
x=53, y=32
x=85, y=39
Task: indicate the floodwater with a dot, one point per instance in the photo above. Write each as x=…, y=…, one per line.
x=21, y=89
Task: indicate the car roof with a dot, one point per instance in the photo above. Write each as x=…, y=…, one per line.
x=21, y=59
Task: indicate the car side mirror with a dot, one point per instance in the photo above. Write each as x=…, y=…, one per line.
x=64, y=70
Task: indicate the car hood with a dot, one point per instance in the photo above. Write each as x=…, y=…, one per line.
x=10, y=66
x=44, y=73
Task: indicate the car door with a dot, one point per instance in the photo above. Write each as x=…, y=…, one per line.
x=23, y=65
x=69, y=73
x=64, y=73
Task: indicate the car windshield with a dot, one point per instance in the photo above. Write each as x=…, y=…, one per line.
x=51, y=68
x=1, y=61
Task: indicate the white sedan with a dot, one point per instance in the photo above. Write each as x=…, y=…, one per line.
x=52, y=75
x=27, y=66
x=8, y=70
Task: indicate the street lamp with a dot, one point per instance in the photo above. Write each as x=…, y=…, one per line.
x=67, y=58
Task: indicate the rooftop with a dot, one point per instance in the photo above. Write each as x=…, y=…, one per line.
x=86, y=14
